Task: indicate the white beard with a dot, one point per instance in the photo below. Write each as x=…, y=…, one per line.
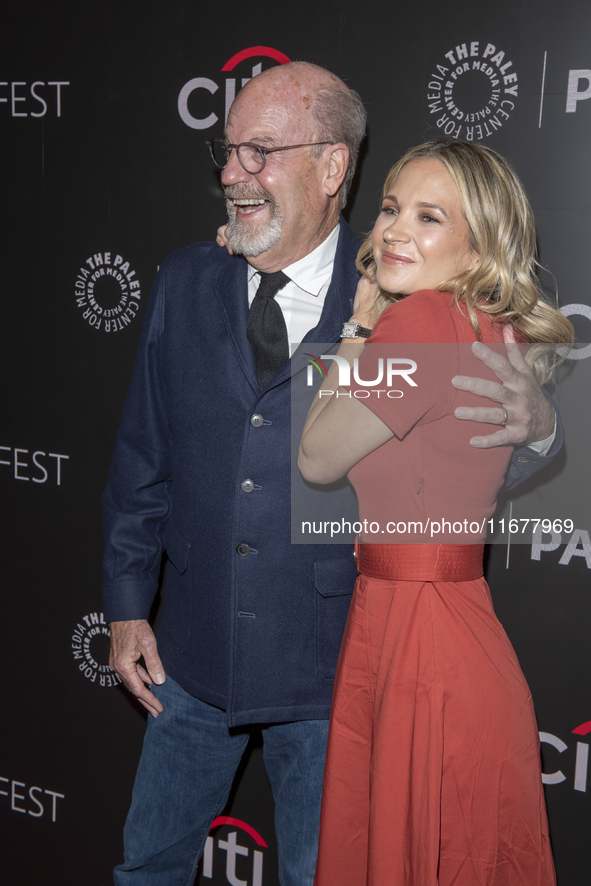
x=251, y=240
x=248, y=242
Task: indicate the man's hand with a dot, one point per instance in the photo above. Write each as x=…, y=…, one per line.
x=130, y=640
x=222, y=240
x=525, y=413
x=365, y=301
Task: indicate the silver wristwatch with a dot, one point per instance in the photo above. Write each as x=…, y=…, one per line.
x=355, y=330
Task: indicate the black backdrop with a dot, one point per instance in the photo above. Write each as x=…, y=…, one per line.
x=104, y=110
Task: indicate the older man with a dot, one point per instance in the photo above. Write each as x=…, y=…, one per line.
x=251, y=624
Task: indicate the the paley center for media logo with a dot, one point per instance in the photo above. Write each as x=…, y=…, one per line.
x=107, y=292
x=90, y=648
x=472, y=90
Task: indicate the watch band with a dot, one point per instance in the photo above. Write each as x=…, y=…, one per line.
x=355, y=330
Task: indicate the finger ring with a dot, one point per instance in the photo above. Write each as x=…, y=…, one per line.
x=505, y=416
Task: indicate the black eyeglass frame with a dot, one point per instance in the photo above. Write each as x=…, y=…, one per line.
x=262, y=150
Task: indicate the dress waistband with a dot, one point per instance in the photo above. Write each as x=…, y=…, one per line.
x=420, y=562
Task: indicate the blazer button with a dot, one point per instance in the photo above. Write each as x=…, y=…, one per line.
x=243, y=549
x=256, y=420
x=247, y=485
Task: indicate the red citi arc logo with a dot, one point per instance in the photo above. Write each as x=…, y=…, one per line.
x=188, y=115
x=266, y=51
x=233, y=849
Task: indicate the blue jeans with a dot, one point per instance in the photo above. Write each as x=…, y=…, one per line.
x=185, y=773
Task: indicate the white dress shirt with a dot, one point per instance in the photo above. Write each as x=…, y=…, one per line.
x=302, y=299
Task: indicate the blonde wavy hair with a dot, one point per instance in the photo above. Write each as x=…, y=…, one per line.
x=504, y=282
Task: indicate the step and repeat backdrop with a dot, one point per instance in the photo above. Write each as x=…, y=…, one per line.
x=104, y=111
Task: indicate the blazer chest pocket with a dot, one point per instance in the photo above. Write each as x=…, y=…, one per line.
x=334, y=581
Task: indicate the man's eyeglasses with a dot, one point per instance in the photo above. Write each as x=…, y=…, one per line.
x=251, y=157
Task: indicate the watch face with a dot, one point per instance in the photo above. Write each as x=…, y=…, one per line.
x=349, y=330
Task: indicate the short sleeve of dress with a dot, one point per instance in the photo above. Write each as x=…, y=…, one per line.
x=413, y=353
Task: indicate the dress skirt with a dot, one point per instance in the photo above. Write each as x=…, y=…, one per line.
x=433, y=774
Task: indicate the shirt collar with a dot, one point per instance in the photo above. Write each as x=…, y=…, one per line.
x=312, y=271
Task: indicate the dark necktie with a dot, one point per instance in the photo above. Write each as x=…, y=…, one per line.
x=266, y=329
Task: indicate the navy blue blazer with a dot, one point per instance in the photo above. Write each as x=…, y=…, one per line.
x=257, y=634
x=251, y=623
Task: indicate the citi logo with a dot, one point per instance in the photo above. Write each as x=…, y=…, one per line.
x=581, y=757
x=252, y=869
x=186, y=97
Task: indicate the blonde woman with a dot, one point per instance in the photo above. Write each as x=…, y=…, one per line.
x=433, y=772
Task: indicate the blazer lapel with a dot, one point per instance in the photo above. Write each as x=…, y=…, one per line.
x=231, y=290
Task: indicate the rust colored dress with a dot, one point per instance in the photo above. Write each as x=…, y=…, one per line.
x=433, y=773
